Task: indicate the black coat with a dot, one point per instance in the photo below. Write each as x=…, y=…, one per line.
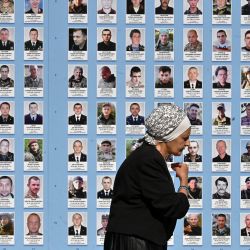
x=101, y=194
x=83, y=230
x=38, y=46
x=38, y=121
x=145, y=203
x=82, y=158
x=139, y=121
x=83, y=120
x=10, y=120
x=198, y=84
x=9, y=45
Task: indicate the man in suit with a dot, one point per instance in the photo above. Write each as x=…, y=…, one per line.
x=77, y=228
x=135, y=7
x=33, y=224
x=5, y=43
x=246, y=231
x=106, y=44
x=134, y=118
x=77, y=156
x=5, y=154
x=192, y=81
x=33, y=43
x=107, y=191
x=78, y=118
x=5, y=117
x=33, y=117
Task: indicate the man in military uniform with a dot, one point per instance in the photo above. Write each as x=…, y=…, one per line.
x=192, y=155
x=245, y=157
x=107, y=191
x=106, y=44
x=34, y=152
x=193, y=9
x=246, y=231
x=221, y=75
x=5, y=154
x=221, y=184
x=192, y=114
x=194, y=45
x=245, y=9
x=78, y=41
x=105, y=152
x=78, y=80
x=193, y=81
x=164, y=8
x=194, y=192
x=222, y=156
x=135, y=36
x=33, y=81
x=5, y=43
x=33, y=224
x=135, y=118
x=33, y=187
x=77, y=7
x=77, y=156
x=76, y=189
x=34, y=7
x=5, y=117
x=78, y=118
x=164, y=80
x=221, y=119
x=106, y=7
x=245, y=193
x=106, y=117
x=163, y=43
x=220, y=228
x=222, y=8
x=5, y=80
x=33, y=44
x=102, y=231
x=33, y=117
x=108, y=79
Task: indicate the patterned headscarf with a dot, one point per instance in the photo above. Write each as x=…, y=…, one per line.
x=164, y=124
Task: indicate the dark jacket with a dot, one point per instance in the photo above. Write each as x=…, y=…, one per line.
x=198, y=84
x=28, y=120
x=83, y=230
x=216, y=85
x=8, y=157
x=9, y=45
x=145, y=203
x=104, y=47
x=227, y=158
x=28, y=45
x=160, y=11
x=130, y=9
x=40, y=11
x=10, y=120
x=83, y=120
x=245, y=10
x=101, y=194
x=130, y=48
x=139, y=121
x=77, y=193
x=101, y=11
x=243, y=232
x=82, y=158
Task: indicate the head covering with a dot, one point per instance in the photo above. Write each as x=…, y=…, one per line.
x=247, y=179
x=32, y=141
x=78, y=178
x=221, y=105
x=248, y=144
x=165, y=124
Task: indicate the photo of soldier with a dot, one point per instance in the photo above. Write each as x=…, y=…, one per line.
x=163, y=41
x=108, y=80
x=194, y=188
x=106, y=114
x=245, y=192
x=34, y=44
x=107, y=191
x=77, y=7
x=33, y=150
x=5, y=80
x=165, y=79
x=192, y=225
x=33, y=6
x=221, y=225
x=77, y=188
x=221, y=7
x=33, y=80
x=106, y=7
x=6, y=223
x=5, y=117
x=5, y=41
x=78, y=39
x=5, y=154
x=7, y=6
x=193, y=8
x=135, y=7
x=221, y=184
x=106, y=151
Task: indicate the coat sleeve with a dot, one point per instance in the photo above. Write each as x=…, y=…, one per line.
x=158, y=190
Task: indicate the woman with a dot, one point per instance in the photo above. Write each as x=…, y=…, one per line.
x=6, y=6
x=145, y=206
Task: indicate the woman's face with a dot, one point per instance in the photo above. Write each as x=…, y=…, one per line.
x=176, y=146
